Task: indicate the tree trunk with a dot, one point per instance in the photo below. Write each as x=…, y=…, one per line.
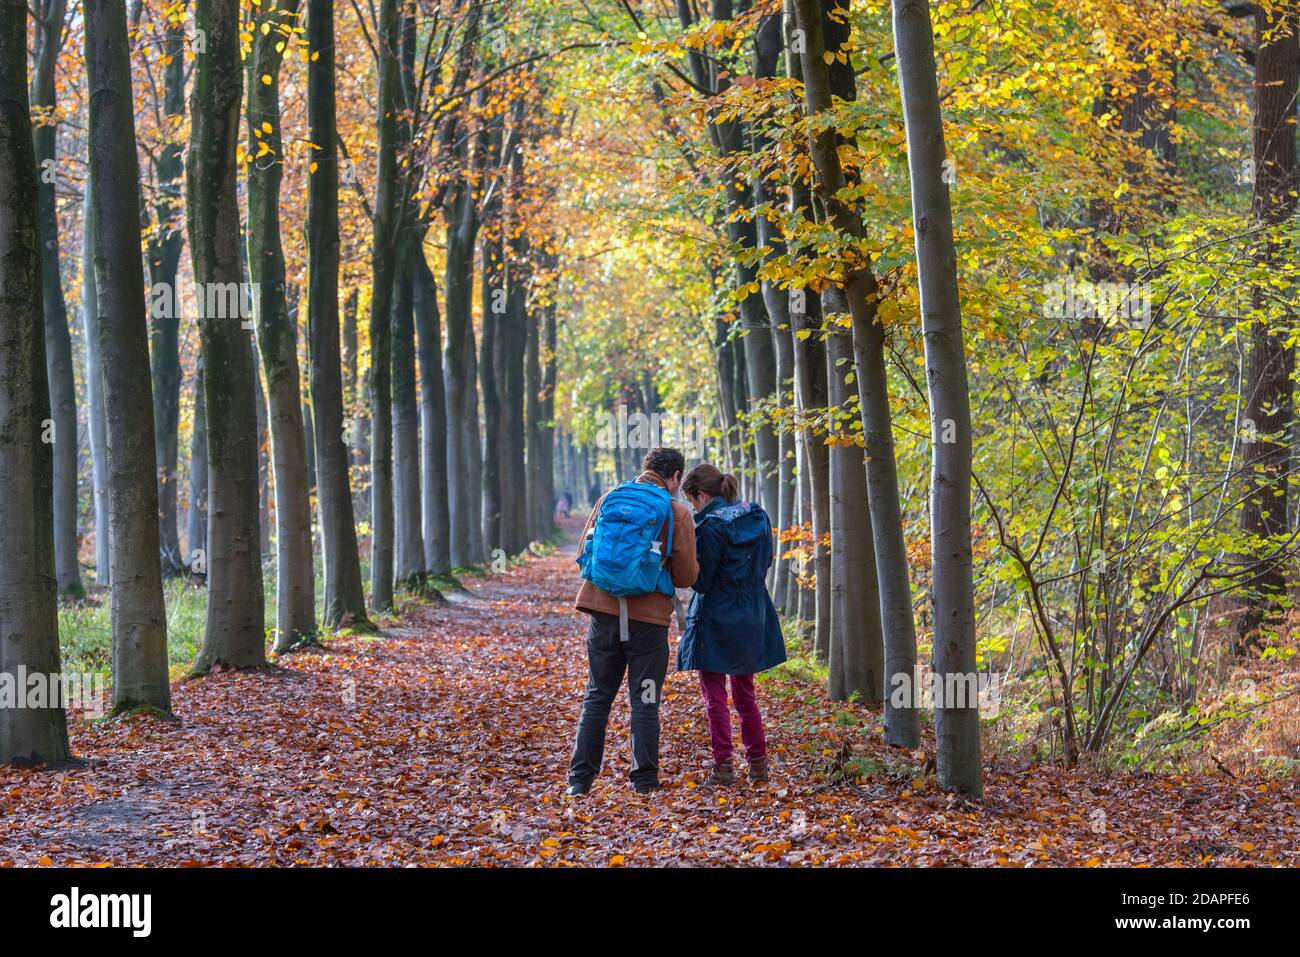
x=409, y=536
x=493, y=319
x=957, y=729
x=825, y=34
x=345, y=600
x=856, y=660
x=58, y=341
x=433, y=420
x=28, y=589
x=164, y=250
x=1269, y=408
x=460, y=374
x=140, y=676
x=96, y=425
x=383, y=254
x=196, y=525
x=902, y=720
x=263, y=454
x=234, y=634
x=510, y=377
x=539, y=410
x=277, y=334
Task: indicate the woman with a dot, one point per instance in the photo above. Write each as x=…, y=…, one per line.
x=732, y=628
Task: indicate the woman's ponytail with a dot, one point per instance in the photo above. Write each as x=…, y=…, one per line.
x=710, y=480
x=730, y=488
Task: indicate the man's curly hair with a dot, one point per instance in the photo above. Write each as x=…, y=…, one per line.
x=664, y=462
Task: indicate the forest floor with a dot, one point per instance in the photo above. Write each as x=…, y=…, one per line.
x=445, y=742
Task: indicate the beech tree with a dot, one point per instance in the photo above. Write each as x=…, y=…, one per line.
x=58, y=341
x=274, y=25
x=28, y=588
x=956, y=723
x=824, y=30
x=165, y=243
x=383, y=267
x=234, y=633
x=95, y=413
x=344, y=593
x=1269, y=410
x=139, y=618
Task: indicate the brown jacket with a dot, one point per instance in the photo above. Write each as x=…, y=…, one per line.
x=654, y=608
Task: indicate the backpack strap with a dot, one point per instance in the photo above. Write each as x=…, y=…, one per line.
x=677, y=602
x=622, y=620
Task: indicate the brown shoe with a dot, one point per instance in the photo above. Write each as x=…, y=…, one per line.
x=758, y=770
x=720, y=774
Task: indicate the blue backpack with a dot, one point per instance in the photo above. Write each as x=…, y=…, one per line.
x=623, y=554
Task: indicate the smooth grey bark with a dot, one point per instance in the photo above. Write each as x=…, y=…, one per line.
x=409, y=567
x=822, y=84
x=383, y=256
x=264, y=490
x=234, y=634
x=96, y=425
x=196, y=526
x=433, y=420
x=345, y=600
x=277, y=335
x=139, y=618
x=460, y=374
x=165, y=242
x=539, y=387
x=58, y=340
x=856, y=661
x=493, y=319
x=408, y=531
x=512, y=344
x=902, y=720
x=29, y=627
x=957, y=729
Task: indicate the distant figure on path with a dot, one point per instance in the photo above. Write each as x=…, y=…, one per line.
x=638, y=547
x=732, y=628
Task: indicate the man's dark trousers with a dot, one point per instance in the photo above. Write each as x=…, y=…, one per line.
x=644, y=658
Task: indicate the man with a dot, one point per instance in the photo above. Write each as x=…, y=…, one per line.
x=642, y=652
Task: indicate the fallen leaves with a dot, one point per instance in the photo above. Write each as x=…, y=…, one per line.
x=445, y=743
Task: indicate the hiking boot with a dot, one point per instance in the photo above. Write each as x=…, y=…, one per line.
x=720, y=774
x=758, y=770
x=578, y=789
x=646, y=787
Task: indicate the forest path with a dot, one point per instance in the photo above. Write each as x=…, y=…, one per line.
x=446, y=741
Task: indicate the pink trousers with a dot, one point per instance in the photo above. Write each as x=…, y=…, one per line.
x=714, y=686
